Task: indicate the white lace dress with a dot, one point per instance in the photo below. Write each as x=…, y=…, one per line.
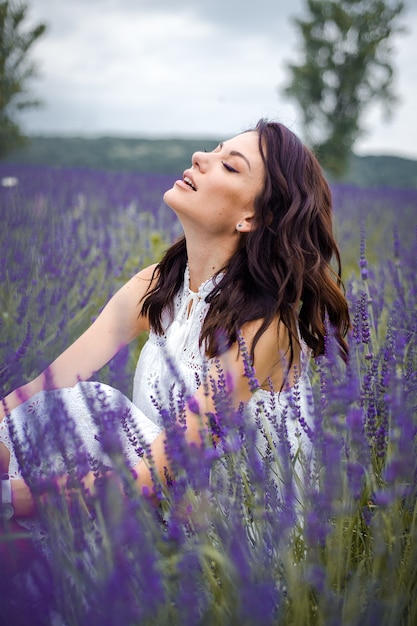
x=155, y=387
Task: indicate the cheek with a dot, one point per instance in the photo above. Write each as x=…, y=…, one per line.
x=229, y=206
x=245, y=199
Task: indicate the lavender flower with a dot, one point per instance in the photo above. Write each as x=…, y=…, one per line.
x=246, y=531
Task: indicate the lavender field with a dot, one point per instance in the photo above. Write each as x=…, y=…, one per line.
x=236, y=539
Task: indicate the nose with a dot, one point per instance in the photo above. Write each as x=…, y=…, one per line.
x=199, y=160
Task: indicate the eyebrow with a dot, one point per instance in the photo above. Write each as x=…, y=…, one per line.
x=238, y=154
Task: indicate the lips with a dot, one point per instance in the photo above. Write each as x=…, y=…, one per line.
x=188, y=180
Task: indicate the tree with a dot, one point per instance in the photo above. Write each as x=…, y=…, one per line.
x=15, y=71
x=346, y=66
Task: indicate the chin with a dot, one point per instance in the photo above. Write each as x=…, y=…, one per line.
x=166, y=196
x=170, y=198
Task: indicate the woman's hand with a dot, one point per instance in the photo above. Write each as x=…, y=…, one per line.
x=88, y=482
x=4, y=458
x=22, y=499
x=16, y=548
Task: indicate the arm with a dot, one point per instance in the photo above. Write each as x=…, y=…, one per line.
x=268, y=365
x=118, y=323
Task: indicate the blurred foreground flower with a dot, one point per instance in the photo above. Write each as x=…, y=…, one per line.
x=246, y=533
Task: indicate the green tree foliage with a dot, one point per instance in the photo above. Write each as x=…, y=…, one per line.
x=346, y=65
x=15, y=70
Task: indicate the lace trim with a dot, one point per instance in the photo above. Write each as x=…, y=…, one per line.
x=180, y=345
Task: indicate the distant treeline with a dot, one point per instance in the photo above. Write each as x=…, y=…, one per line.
x=172, y=156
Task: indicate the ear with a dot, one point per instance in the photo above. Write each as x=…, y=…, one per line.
x=246, y=224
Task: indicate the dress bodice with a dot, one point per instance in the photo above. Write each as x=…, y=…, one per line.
x=173, y=365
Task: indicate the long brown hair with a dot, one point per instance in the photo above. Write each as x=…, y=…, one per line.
x=281, y=267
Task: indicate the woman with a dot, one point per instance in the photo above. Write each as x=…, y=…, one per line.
x=253, y=269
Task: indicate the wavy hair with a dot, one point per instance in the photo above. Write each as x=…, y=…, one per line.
x=281, y=267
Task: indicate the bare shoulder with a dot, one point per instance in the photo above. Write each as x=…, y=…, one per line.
x=147, y=274
x=123, y=312
x=136, y=288
x=272, y=351
x=275, y=336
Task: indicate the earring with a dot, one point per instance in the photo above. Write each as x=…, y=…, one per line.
x=239, y=226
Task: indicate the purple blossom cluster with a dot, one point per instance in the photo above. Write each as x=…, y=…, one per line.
x=244, y=531
x=70, y=238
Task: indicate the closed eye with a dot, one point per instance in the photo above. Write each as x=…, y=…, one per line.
x=229, y=167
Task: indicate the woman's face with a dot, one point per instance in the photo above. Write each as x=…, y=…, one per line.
x=219, y=190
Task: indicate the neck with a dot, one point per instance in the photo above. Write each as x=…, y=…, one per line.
x=204, y=260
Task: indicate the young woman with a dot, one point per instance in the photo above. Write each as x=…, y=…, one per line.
x=253, y=268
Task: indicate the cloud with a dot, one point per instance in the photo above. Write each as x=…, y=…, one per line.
x=141, y=67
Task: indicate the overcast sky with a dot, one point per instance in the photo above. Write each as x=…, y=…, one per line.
x=186, y=68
